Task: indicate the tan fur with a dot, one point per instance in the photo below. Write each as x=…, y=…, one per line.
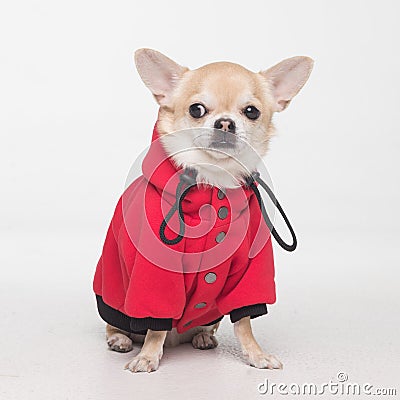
x=150, y=354
x=201, y=337
x=118, y=340
x=251, y=349
x=229, y=88
x=225, y=89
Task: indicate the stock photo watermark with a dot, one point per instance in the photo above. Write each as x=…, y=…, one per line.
x=340, y=386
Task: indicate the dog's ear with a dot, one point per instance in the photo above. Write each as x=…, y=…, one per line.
x=287, y=78
x=159, y=73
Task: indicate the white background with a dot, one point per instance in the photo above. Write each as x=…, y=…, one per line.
x=73, y=117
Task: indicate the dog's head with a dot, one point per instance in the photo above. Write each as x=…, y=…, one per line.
x=213, y=118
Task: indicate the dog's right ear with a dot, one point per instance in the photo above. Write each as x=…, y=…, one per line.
x=287, y=78
x=159, y=73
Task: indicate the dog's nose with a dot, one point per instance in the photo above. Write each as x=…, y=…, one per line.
x=225, y=124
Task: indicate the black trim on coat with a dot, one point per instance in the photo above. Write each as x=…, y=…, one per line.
x=140, y=325
x=252, y=311
x=135, y=325
x=130, y=324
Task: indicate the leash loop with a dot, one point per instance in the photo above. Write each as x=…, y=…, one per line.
x=188, y=179
x=250, y=180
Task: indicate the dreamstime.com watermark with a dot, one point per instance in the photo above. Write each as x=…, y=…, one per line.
x=339, y=386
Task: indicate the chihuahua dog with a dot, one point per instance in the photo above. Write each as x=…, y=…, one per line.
x=235, y=106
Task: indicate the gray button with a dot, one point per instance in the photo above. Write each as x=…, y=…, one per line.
x=200, y=305
x=220, y=237
x=220, y=194
x=187, y=323
x=223, y=212
x=211, y=277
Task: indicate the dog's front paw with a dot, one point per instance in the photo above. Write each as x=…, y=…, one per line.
x=144, y=363
x=119, y=342
x=204, y=341
x=262, y=360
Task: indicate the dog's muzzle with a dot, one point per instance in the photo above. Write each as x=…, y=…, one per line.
x=223, y=139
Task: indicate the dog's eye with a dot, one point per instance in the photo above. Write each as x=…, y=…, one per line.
x=251, y=112
x=197, y=110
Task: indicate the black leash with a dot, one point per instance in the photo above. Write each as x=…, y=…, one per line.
x=188, y=179
x=255, y=177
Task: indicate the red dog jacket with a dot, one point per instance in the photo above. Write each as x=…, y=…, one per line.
x=223, y=265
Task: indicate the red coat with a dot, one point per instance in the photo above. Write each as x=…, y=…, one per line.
x=223, y=265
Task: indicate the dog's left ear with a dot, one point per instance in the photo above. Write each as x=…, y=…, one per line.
x=287, y=78
x=159, y=73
